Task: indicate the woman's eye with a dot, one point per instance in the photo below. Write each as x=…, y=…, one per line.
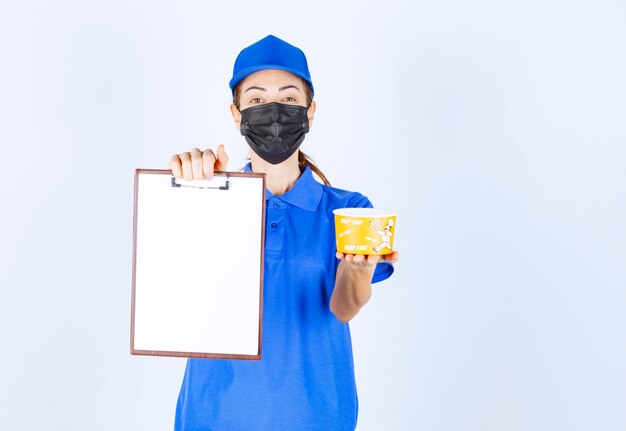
x=289, y=99
x=256, y=100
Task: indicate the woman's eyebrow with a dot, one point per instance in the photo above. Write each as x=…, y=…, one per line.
x=288, y=86
x=255, y=88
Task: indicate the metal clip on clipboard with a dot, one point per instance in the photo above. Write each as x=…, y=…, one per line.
x=204, y=184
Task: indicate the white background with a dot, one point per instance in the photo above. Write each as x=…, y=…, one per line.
x=496, y=130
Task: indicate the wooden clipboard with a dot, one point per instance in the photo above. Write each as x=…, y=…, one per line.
x=197, y=288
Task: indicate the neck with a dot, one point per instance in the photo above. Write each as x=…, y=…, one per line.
x=279, y=178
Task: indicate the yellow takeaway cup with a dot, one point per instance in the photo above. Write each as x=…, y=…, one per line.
x=364, y=230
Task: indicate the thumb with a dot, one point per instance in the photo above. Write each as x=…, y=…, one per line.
x=222, y=158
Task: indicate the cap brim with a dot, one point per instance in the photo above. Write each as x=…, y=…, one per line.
x=250, y=70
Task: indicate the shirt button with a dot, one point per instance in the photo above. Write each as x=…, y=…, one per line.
x=276, y=205
x=274, y=225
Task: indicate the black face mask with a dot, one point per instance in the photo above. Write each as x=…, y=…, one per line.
x=274, y=131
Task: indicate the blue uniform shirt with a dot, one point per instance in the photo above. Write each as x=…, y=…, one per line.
x=305, y=379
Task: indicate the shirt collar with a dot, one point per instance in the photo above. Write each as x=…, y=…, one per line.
x=306, y=193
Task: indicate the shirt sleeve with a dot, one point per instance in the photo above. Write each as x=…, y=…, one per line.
x=382, y=272
x=384, y=269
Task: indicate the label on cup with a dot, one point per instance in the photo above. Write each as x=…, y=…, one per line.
x=364, y=230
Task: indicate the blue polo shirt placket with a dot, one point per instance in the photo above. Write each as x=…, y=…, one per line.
x=275, y=224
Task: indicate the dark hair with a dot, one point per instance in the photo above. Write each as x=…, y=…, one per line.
x=303, y=159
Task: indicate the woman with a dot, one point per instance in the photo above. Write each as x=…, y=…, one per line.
x=305, y=380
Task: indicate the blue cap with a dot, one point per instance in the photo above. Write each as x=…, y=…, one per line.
x=270, y=53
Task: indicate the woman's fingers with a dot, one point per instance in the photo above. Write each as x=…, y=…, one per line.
x=392, y=257
x=198, y=165
x=185, y=161
x=222, y=159
x=208, y=164
x=175, y=166
x=358, y=259
x=371, y=259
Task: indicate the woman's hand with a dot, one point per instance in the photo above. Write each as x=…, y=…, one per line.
x=369, y=260
x=198, y=165
x=353, y=285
